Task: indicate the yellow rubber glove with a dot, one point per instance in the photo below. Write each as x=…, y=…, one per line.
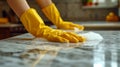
x=69, y=26
x=53, y=14
x=35, y=25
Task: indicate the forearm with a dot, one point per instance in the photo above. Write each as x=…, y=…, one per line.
x=18, y=6
x=44, y=3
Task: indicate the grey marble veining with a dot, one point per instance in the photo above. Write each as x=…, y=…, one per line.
x=27, y=51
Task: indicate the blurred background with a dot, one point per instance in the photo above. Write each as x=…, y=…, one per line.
x=93, y=14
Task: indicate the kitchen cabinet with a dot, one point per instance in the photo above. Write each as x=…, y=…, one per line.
x=4, y=33
x=9, y=30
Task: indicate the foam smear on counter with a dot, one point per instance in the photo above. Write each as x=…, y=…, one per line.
x=91, y=37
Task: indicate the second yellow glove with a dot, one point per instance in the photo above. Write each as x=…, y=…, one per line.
x=53, y=14
x=70, y=26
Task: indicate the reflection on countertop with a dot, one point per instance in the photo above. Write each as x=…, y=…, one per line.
x=27, y=51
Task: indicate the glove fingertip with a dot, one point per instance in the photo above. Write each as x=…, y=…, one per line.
x=82, y=39
x=81, y=28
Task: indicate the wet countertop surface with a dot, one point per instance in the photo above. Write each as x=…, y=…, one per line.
x=27, y=51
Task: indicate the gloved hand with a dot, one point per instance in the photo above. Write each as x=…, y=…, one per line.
x=53, y=14
x=70, y=26
x=60, y=36
x=35, y=25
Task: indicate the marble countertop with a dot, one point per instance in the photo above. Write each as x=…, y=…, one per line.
x=27, y=51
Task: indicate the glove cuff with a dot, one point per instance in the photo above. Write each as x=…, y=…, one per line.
x=32, y=21
x=52, y=13
x=32, y=15
x=27, y=12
